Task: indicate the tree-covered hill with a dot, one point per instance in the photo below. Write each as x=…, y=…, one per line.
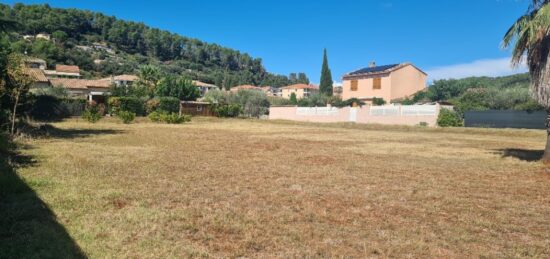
x=74, y=33
x=482, y=93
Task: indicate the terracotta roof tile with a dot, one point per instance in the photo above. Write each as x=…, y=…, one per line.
x=67, y=69
x=72, y=83
x=36, y=74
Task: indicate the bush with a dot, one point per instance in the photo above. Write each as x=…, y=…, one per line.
x=52, y=108
x=169, y=104
x=92, y=113
x=129, y=104
x=378, y=101
x=168, y=117
x=449, y=118
x=423, y=124
x=126, y=117
x=347, y=103
x=227, y=110
x=152, y=105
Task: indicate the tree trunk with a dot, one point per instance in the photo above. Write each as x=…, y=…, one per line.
x=13, y=116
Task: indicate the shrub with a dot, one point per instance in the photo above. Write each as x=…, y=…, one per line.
x=168, y=117
x=227, y=110
x=152, y=105
x=126, y=117
x=51, y=108
x=449, y=118
x=92, y=113
x=169, y=104
x=378, y=101
x=129, y=104
x=423, y=124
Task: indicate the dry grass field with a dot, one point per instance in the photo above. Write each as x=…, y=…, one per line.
x=231, y=188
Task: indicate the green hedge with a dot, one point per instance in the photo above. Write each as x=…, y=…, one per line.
x=128, y=104
x=169, y=104
x=449, y=118
x=50, y=108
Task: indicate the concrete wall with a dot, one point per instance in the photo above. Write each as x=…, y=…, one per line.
x=406, y=82
x=387, y=114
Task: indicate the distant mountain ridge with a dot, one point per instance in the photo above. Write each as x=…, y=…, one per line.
x=76, y=37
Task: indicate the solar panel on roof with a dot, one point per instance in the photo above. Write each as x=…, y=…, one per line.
x=373, y=69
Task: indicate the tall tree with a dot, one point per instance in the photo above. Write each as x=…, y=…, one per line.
x=530, y=35
x=326, y=77
x=18, y=84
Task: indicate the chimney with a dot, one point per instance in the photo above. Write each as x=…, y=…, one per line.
x=372, y=64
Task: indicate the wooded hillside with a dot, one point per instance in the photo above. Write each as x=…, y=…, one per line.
x=81, y=37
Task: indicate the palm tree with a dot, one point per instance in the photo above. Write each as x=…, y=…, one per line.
x=530, y=35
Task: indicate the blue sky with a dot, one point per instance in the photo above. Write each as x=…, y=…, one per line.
x=446, y=38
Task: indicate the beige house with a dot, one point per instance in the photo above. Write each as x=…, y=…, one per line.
x=388, y=82
x=92, y=90
x=244, y=87
x=204, y=87
x=63, y=71
x=300, y=90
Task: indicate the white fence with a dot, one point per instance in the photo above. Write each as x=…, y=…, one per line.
x=405, y=110
x=317, y=111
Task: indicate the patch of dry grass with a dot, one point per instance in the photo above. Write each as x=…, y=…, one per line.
x=282, y=189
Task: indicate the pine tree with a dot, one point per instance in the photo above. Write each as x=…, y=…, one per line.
x=293, y=99
x=326, y=77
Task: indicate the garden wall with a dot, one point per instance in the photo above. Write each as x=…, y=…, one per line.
x=387, y=114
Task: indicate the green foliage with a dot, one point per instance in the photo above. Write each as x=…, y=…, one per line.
x=378, y=101
x=481, y=93
x=314, y=100
x=92, y=113
x=326, y=77
x=134, y=44
x=126, y=117
x=449, y=118
x=168, y=117
x=347, y=103
x=179, y=87
x=152, y=105
x=251, y=103
x=293, y=98
x=278, y=101
x=51, y=108
x=169, y=104
x=129, y=104
x=254, y=103
x=227, y=110
x=129, y=91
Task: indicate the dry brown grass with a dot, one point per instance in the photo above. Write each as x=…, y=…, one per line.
x=281, y=189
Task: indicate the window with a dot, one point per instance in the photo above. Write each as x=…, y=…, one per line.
x=377, y=83
x=354, y=85
x=199, y=108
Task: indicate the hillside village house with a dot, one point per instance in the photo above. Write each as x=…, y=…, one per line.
x=121, y=80
x=204, y=87
x=388, y=82
x=63, y=71
x=92, y=90
x=300, y=90
x=244, y=87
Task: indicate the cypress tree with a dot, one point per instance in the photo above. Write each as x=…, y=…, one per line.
x=326, y=77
